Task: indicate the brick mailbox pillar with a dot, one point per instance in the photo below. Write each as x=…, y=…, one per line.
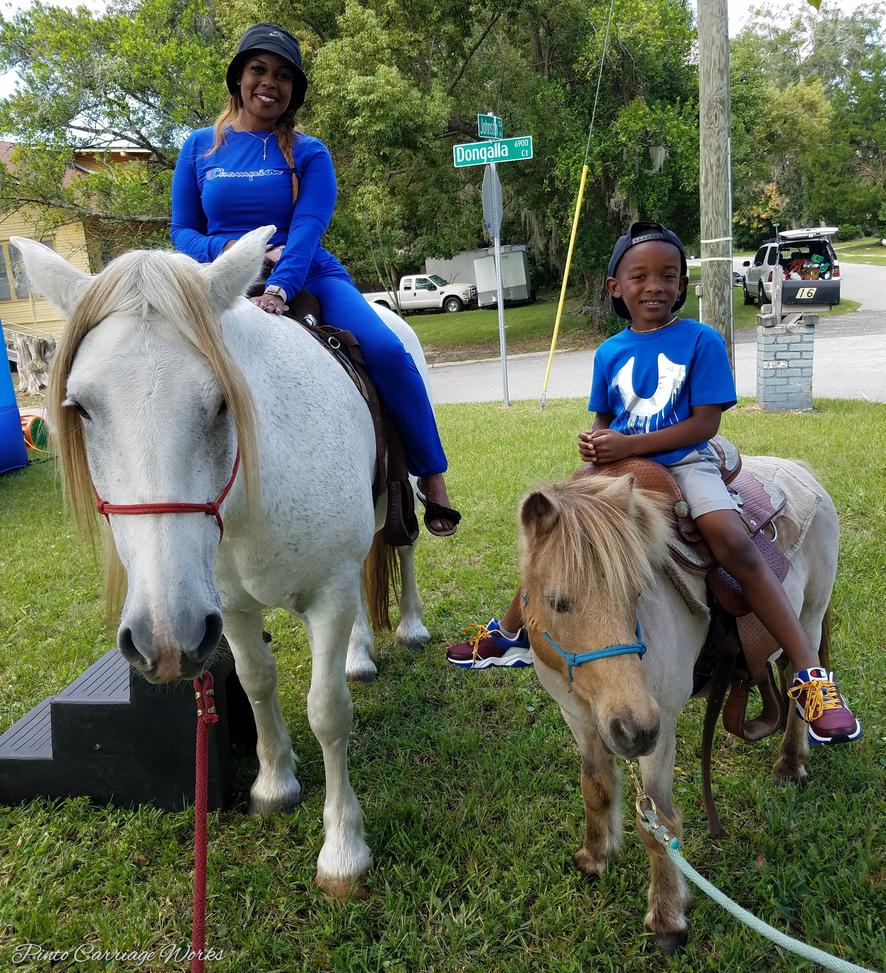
x=784, y=361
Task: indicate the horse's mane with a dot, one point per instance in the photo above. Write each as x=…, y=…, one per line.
x=145, y=284
x=607, y=538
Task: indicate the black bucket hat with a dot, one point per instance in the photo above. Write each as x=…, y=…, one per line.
x=643, y=233
x=277, y=40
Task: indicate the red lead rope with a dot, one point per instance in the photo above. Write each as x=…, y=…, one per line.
x=206, y=716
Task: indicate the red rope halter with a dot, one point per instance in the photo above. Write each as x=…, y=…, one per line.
x=211, y=507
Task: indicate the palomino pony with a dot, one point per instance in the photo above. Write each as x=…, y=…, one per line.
x=167, y=385
x=593, y=579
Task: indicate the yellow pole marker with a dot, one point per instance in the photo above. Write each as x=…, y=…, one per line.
x=581, y=192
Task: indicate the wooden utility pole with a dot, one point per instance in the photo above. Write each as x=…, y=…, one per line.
x=716, y=169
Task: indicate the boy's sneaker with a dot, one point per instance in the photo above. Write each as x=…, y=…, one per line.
x=819, y=702
x=489, y=646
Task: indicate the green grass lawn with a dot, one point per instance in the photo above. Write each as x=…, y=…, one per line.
x=474, y=334
x=867, y=250
x=469, y=781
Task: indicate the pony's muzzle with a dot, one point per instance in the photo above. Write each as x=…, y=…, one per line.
x=632, y=738
x=165, y=659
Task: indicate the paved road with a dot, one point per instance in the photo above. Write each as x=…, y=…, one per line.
x=850, y=357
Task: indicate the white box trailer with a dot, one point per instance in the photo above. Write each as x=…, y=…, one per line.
x=515, y=280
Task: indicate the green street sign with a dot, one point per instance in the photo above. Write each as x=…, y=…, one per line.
x=482, y=153
x=489, y=127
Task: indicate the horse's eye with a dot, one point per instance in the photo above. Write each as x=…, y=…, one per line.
x=560, y=605
x=74, y=404
x=222, y=409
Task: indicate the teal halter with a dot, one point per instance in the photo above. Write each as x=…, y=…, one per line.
x=573, y=659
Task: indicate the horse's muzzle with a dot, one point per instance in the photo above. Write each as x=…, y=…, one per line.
x=632, y=739
x=161, y=661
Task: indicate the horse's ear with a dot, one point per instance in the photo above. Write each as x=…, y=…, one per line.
x=621, y=491
x=538, y=513
x=232, y=273
x=50, y=275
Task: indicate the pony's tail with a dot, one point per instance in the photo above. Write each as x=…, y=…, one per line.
x=381, y=576
x=824, y=646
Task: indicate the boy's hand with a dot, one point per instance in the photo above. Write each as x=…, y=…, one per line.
x=604, y=446
x=586, y=446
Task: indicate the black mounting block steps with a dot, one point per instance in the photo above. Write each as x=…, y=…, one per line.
x=118, y=739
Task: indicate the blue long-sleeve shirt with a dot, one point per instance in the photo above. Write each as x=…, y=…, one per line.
x=219, y=197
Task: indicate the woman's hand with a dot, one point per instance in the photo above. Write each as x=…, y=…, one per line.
x=270, y=303
x=604, y=446
x=273, y=254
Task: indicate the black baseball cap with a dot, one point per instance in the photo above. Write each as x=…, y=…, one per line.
x=277, y=40
x=643, y=233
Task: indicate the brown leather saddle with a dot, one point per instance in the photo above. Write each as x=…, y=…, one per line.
x=391, y=473
x=736, y=653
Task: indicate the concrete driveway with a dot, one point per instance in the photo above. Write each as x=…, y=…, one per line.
x=850, y=357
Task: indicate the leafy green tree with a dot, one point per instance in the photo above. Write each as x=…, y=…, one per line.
x=392, y=87
x=807, y=119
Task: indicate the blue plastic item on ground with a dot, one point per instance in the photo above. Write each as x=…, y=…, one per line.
x=13, y=452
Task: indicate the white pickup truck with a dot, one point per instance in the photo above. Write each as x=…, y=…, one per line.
x=426, y=292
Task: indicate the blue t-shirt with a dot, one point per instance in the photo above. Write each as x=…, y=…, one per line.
x=247, y=183
x=651, y=381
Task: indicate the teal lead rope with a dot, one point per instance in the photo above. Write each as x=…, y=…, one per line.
x=648, y=814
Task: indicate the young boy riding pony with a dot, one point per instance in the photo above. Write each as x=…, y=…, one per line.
x=659, y=389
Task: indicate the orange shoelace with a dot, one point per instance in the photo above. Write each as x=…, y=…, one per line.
x=482, y=632
x=821, y=695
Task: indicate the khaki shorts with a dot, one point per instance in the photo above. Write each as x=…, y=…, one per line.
x=699, y=480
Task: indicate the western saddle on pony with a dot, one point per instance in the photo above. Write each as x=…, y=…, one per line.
x=735, y=657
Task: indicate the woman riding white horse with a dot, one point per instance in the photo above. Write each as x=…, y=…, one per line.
x=164, y=378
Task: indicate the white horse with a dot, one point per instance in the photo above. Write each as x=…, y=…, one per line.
x=164, y=377
x=592, y=571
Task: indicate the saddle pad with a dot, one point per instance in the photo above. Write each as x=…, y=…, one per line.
x=802, y=498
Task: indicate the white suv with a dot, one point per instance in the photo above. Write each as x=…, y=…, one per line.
x=807, y=262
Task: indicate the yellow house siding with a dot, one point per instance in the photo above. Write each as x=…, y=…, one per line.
x=33, y=315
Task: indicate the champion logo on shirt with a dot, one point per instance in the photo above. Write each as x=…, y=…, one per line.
x=220, y=173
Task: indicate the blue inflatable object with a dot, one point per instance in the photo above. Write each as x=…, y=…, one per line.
x=13, y=452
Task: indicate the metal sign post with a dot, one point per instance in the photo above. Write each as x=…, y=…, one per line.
x=492, y=212
x=496, y=149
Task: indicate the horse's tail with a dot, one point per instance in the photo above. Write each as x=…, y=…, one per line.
x=381, y=576
x=824, y=646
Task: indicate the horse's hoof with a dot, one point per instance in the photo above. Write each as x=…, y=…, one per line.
x=591, y=867
x=412, y=636
x=265, y=807
x=364, y=676
x=672, y=942
x=341, y=888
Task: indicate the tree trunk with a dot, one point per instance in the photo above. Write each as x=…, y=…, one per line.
x=34, y=356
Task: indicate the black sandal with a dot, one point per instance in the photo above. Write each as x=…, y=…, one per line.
x=436, y=511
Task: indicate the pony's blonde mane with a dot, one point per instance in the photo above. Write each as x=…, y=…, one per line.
x=144, y=284
x=603, y=540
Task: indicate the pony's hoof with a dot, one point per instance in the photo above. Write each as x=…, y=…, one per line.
x=670, y=943
x=341, y=888
x=265, y=806
x=789, y=773
x=590, y=866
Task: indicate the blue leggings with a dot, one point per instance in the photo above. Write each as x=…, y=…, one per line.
x=391, y=368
